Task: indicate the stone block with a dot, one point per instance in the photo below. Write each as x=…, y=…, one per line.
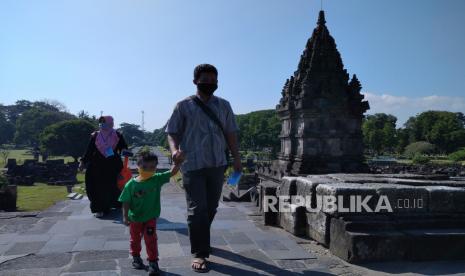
x=287, y=187
x=237, y=238
x=33, y=261
x=268, y=188
x=404, y=198
x=428, y=221
x=357, y=178
x=294, y=220
x=318, y=226
x=8, y=198
x=334, y=147
x=446, y=199
x=425, y=182
x=346, y=194
x=436, y=244
x=170, y=250
x=306, y=187
x=25, y=248
x=104, y=266
x=312, y=147
x=374, y=245
x=86, y=256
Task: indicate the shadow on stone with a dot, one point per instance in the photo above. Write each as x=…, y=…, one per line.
x=166, y=225
x=115, y=215
x=255, y=263
x=420, y=268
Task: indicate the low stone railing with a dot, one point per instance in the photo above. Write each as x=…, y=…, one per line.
x=8, y=198
x=426, y=219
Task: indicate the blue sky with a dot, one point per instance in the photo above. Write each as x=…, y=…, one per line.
x=126, y=56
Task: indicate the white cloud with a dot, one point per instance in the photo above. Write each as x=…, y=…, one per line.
x=404, y=107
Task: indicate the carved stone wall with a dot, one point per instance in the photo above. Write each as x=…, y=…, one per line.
x=321, y=113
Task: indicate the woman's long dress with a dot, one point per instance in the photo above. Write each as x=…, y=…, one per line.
x=101, y=176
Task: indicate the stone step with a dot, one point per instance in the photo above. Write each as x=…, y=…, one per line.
x=72, y=195
x=386, y=223
x=378, y=244
x=75, y=196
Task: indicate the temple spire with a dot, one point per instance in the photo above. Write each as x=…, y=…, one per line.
x=321, y=18
x=319, y=94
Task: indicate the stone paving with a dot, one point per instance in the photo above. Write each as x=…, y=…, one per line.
x=67, y=240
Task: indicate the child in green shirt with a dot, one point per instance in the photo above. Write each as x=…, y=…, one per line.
x=141, y=208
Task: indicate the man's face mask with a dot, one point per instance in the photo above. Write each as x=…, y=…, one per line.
x=207, y=88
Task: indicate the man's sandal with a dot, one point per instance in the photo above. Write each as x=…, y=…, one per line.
x=201, y=265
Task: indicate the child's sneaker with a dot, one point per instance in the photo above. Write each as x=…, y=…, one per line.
x=153, y=268
x=137, y=262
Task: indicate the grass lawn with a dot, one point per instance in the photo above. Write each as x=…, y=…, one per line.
x=22, y=154
x=442, y=162
x=39, y=197
x=80, y=187
x=18, y=155
x=405, y=161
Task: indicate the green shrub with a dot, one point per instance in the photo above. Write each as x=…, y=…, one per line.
x=458, y=155
x=421, y=147
x=3, y=181
x=420, y=159
x=144, y=149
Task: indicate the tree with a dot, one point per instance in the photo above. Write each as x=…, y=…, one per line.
x=4, y=154
x=7, y=130
x=158, y=137
x=33, y=121
x=132, y=134
x=420, y=148
x=402, y=139
x=52, y=105
x=84, y=115
x=13, y=112
x=420, y=159
x=442, y=128
x=68, y=138
x=379, y=133
x=3, y=181
x=457, y=156
x=258, y=130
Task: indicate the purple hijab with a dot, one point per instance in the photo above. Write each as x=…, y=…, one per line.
x=106, y=137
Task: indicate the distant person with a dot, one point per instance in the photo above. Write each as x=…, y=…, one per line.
x=203, y=139
x=103, y=162
x=141, y=208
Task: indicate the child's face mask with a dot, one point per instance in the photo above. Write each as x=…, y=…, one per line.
x=145, y=174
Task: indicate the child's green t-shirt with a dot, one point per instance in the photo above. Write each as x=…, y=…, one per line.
x=144, y=197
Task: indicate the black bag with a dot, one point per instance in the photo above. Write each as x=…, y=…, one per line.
x=215, y=119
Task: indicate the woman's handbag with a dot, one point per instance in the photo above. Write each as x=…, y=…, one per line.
x=125, y=175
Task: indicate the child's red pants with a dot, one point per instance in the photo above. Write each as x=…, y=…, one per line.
x=148, y=230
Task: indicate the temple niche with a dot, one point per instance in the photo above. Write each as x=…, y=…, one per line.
x=321, y=110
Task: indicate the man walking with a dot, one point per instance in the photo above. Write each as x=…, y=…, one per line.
x=201, y=129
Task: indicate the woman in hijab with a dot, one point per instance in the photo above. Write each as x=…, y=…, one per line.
x=103, y=162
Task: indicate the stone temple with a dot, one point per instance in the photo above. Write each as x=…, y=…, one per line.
x=422, y=216
x=321, y=112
